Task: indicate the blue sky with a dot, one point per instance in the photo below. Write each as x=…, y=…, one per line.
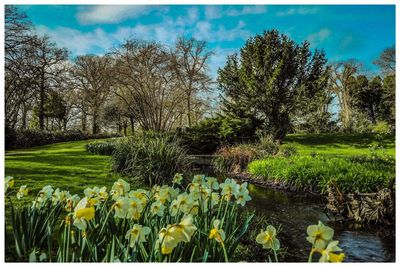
x=344, y=32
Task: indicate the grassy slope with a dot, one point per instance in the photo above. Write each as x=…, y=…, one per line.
x=65, y=165
x=337, y=145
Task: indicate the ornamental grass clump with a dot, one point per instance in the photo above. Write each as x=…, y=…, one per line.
x=196, y=223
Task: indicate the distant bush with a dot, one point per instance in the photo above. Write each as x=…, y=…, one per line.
x=212, y=133
x=268, y=145
x=288, y=150
x=235, y=159
x=154, y=159
x=105, y=147
x=317, y=173
x=30, y=138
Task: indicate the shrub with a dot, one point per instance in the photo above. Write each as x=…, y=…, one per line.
x=106, y=147
x=154, y=160
x=288, y=150
x=234, y=159
x=268, y=145
x=305, y=172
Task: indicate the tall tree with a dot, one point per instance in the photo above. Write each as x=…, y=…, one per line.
x=190, y=63
x=271, y=79
x=341, y=80
x=93, y=78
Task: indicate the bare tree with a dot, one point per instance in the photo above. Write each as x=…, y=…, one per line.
x=387, y=61
x=190, y=64
x=341, y=78
x=93, y=78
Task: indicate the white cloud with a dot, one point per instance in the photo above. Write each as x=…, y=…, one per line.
x=78, y=42
x=216, y=12
x=319, y=37
x=298, y=11
x=205, y=31
x=110, y=14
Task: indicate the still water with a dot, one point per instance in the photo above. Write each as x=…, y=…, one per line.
x=294, y=212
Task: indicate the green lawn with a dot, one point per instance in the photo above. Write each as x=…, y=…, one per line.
x=64, y=165
x=337, y=144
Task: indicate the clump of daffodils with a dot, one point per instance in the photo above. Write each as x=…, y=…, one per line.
x=321, y=238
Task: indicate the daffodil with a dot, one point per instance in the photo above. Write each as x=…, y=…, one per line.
x=215, y=198
x=198, y=179
x=184, y=230
x=135, y=208
x=9, y=182
x=167, y=240
x=157, y=208
x=268, y=239
x=328, y=254
x=216, y=233
x=193, y=208
x=22, y=192
x=164, y=194
x=177, y=178
x=205, y=193
x=242, y=197
x=229, y=188
x=83, y=214
x=140, y=194
x=194, y=190
x=182, y=203
x=60, y=196
x=137, y=234
x=319, y=235
x=43, y=196
x=212, y=183
x=120, y=188
x=121, y=207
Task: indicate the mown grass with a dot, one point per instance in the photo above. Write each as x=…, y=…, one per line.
x=65, y=165
x=338, y=144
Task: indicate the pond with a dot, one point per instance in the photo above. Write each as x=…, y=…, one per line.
x=294, y=212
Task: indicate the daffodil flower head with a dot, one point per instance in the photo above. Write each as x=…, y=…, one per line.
x=242, y=197
x=22, y=192
x=198, y=179
x=121, y=207
x=46, y=192
x=216, y=233
x=229, y=188
x=184, y=230
x=137, y=234
x=83, y=214
x=193, y=208
x=268, y=239
x=9, y=182
x=120, y=188
x=328, y=254
x=135, y=208
x=157, y=208
x=212, y=183
x=319, y=235
x=167, y=241
x=184, y=202
x=215, y=198
x=140, y=194
x=177, y=178
x=60, y=196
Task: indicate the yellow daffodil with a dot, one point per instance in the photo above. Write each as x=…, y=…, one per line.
x=83, y=214
x=9, y=182
x=212, y=183
x=120, y=188
x=198, y=179
x=328, y=254
x=268, y=239
x=167, y=240
x=319, y=235
x=205, y=193
x=135, y=208
x=157, y=208
x=216, y=233
x=177, y=178
x=194, y=190
x=140, y=194
x=121, y=207
x=184, y=230
x=193, y=208
x=22, y=192
x=182, y=203
x=229, y=188
x=137, y=234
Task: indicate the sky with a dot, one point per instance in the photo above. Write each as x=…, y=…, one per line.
x=344, y=32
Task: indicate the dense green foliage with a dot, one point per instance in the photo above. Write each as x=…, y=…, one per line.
x=347, y=174
x=152, y=159
x=272, y=79
x=103, y=147
x=15, y=139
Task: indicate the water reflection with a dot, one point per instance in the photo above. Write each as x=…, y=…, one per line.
x=296, y=211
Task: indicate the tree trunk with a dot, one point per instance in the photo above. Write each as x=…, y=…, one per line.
x=132, y=125
x=95, y=127
x=83, y=122
x=188, y=111
x=41, y=103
